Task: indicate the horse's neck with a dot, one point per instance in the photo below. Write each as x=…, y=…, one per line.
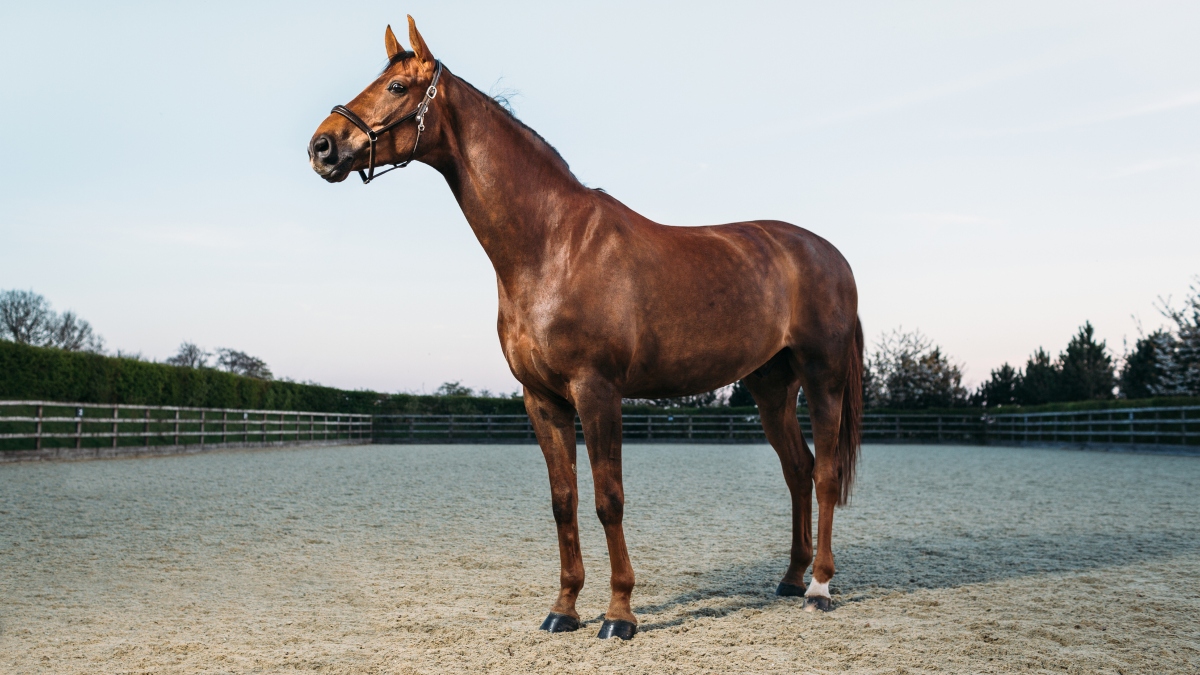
x=514, y=190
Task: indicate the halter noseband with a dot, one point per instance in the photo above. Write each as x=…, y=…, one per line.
x=374, y=134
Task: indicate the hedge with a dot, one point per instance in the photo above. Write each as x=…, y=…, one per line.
x=47, y=374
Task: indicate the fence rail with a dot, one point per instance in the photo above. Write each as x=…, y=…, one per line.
x=1178, y=426
x=664, y=428
x=43, y=426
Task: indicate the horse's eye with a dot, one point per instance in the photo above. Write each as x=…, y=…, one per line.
x=397, y=88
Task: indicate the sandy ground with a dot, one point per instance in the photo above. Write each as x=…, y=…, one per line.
x=443, y=559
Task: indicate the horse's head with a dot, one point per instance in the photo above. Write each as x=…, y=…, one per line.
x=390, y=109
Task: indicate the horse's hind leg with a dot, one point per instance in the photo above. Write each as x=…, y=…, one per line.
x=775, y=388
x=824, y=385
x=554, y=423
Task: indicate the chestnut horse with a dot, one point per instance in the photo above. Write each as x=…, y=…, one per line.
x=597, y=304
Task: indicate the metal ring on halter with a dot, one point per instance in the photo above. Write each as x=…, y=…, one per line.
x=374, y=134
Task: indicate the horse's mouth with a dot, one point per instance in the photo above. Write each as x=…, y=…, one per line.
x=335, y=173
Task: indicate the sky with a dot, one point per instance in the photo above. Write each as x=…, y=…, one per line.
x=997, y=173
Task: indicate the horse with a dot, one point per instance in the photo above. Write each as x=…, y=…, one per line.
x=598, y=303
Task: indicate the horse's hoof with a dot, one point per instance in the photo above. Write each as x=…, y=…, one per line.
x=560, y=623
x=787, y=590
x=818, y=602
x=618, y=629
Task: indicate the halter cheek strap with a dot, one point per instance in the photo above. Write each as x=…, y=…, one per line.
x=374, y=134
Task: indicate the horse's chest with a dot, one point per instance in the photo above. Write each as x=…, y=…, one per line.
x=525, y=339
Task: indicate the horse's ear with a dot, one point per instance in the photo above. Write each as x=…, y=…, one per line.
x=418, y=43
x=391, y=43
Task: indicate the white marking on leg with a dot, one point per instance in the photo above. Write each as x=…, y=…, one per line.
x=816, y=588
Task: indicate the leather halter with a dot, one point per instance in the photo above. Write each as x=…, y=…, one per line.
x=374, y=134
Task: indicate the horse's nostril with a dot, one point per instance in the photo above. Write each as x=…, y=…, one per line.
x=323, y=150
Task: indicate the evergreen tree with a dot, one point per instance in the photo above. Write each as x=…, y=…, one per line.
x=1085, y=368
x=1000, y=389
x=1040, y=381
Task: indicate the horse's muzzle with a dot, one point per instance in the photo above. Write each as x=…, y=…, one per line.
x=325, y=160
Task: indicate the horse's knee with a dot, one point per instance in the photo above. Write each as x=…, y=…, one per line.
x=564, y=502
x=610, y=506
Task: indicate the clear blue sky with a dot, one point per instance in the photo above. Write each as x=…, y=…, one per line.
x=996, y=173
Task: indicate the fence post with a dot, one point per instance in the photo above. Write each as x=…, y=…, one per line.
x=689, y=431
x=224, y=427
x=78, y=428
x=38, y=441
x=177, y=426
x=1132, y=437
x=1183, y=427
x=202, y=416
x=146, y=428
x=116, y=413
x=939, y=427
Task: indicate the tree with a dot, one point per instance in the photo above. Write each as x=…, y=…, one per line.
x=1085, y=368
x=26, y=317
x=909, y=371
x=453, y=389
x=1001, y=388
x=190, y=356
x=1039, y=384
x=1145, y=367
x=241, y=363
x=1181, y=363
x=739, y=396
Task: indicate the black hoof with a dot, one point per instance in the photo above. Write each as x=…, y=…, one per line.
x=790, y=590
x=618, y=629
x=560, y=623
x=818, y=602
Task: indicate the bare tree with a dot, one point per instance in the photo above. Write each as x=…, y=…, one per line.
x=73, y=334
x=910, y=371
x=241, y=363
x=1178, y=353
x=25, y=317
x=190, y=356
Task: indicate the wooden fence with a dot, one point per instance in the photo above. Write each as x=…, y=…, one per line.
x=50, y=429
x=54, y=429
x=664, y=428
x=1161, y=427
x=1151, y=427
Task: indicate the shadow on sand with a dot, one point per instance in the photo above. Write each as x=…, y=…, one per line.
x=868, y=571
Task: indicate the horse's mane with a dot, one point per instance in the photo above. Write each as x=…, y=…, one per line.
x=404, y=56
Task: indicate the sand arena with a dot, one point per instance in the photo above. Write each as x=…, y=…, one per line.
x=418, y=559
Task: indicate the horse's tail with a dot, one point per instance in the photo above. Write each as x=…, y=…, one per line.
x=850, y=436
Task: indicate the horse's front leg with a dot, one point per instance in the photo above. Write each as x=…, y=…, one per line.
x=553, y=421
x=599, y=406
